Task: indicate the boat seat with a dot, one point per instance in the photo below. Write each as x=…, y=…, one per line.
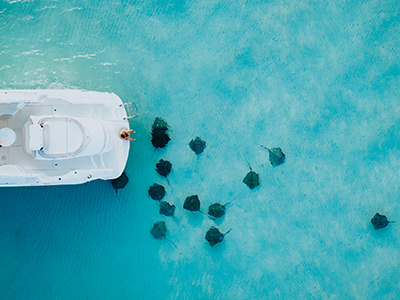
x=35, y=137
x=62, y=136
x=54, y=137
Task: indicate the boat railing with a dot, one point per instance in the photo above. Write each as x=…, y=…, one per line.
x=131, y=110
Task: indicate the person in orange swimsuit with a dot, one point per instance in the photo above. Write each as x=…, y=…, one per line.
x=125, y=134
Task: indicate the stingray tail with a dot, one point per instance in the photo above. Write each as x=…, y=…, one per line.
x=116, y=193
x=173, y=244
x=251, y=169
x=196, y=167
x=212, y=218
x=228, y=231
x=227, y=203
x=266, y=148
x=202, y=212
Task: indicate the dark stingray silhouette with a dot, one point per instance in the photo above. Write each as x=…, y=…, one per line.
x=120, y=183
x=159, y=231
x=197, y=145
x=160, y=140
x=159, y=126
x=167, y=209
x=380, y=221
x=214, y=236
x=251, y=179
x=163, y=167
x=160, y=137
x=217, y=210
x=192, y=203
x=157, y=191
x=276, y=156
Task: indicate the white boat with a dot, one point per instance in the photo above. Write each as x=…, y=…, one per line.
x=52, y=137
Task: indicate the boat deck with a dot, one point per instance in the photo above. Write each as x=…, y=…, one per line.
x=15, y=154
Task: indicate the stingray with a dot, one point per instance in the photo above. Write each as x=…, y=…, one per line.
x=163, y=167
x=160, y=140
x=276, y=156
x=197, y=145
x=157, y=191
x=167, y=209
x=159, y=126
x=159, y=133
x=217, y=210
x=379, y=221
x=120, y=183
x=214, y=236
x=159, y=231
x=251, y=179
x=192, y=203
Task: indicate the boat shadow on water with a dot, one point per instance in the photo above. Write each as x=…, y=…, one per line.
x=87, y=197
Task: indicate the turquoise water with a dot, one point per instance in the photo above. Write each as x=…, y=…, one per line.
x=318, y=79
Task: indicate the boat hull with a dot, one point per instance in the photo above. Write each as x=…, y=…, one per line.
x=27, y=161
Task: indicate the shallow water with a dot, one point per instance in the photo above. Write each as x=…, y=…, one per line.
x=319, y=80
